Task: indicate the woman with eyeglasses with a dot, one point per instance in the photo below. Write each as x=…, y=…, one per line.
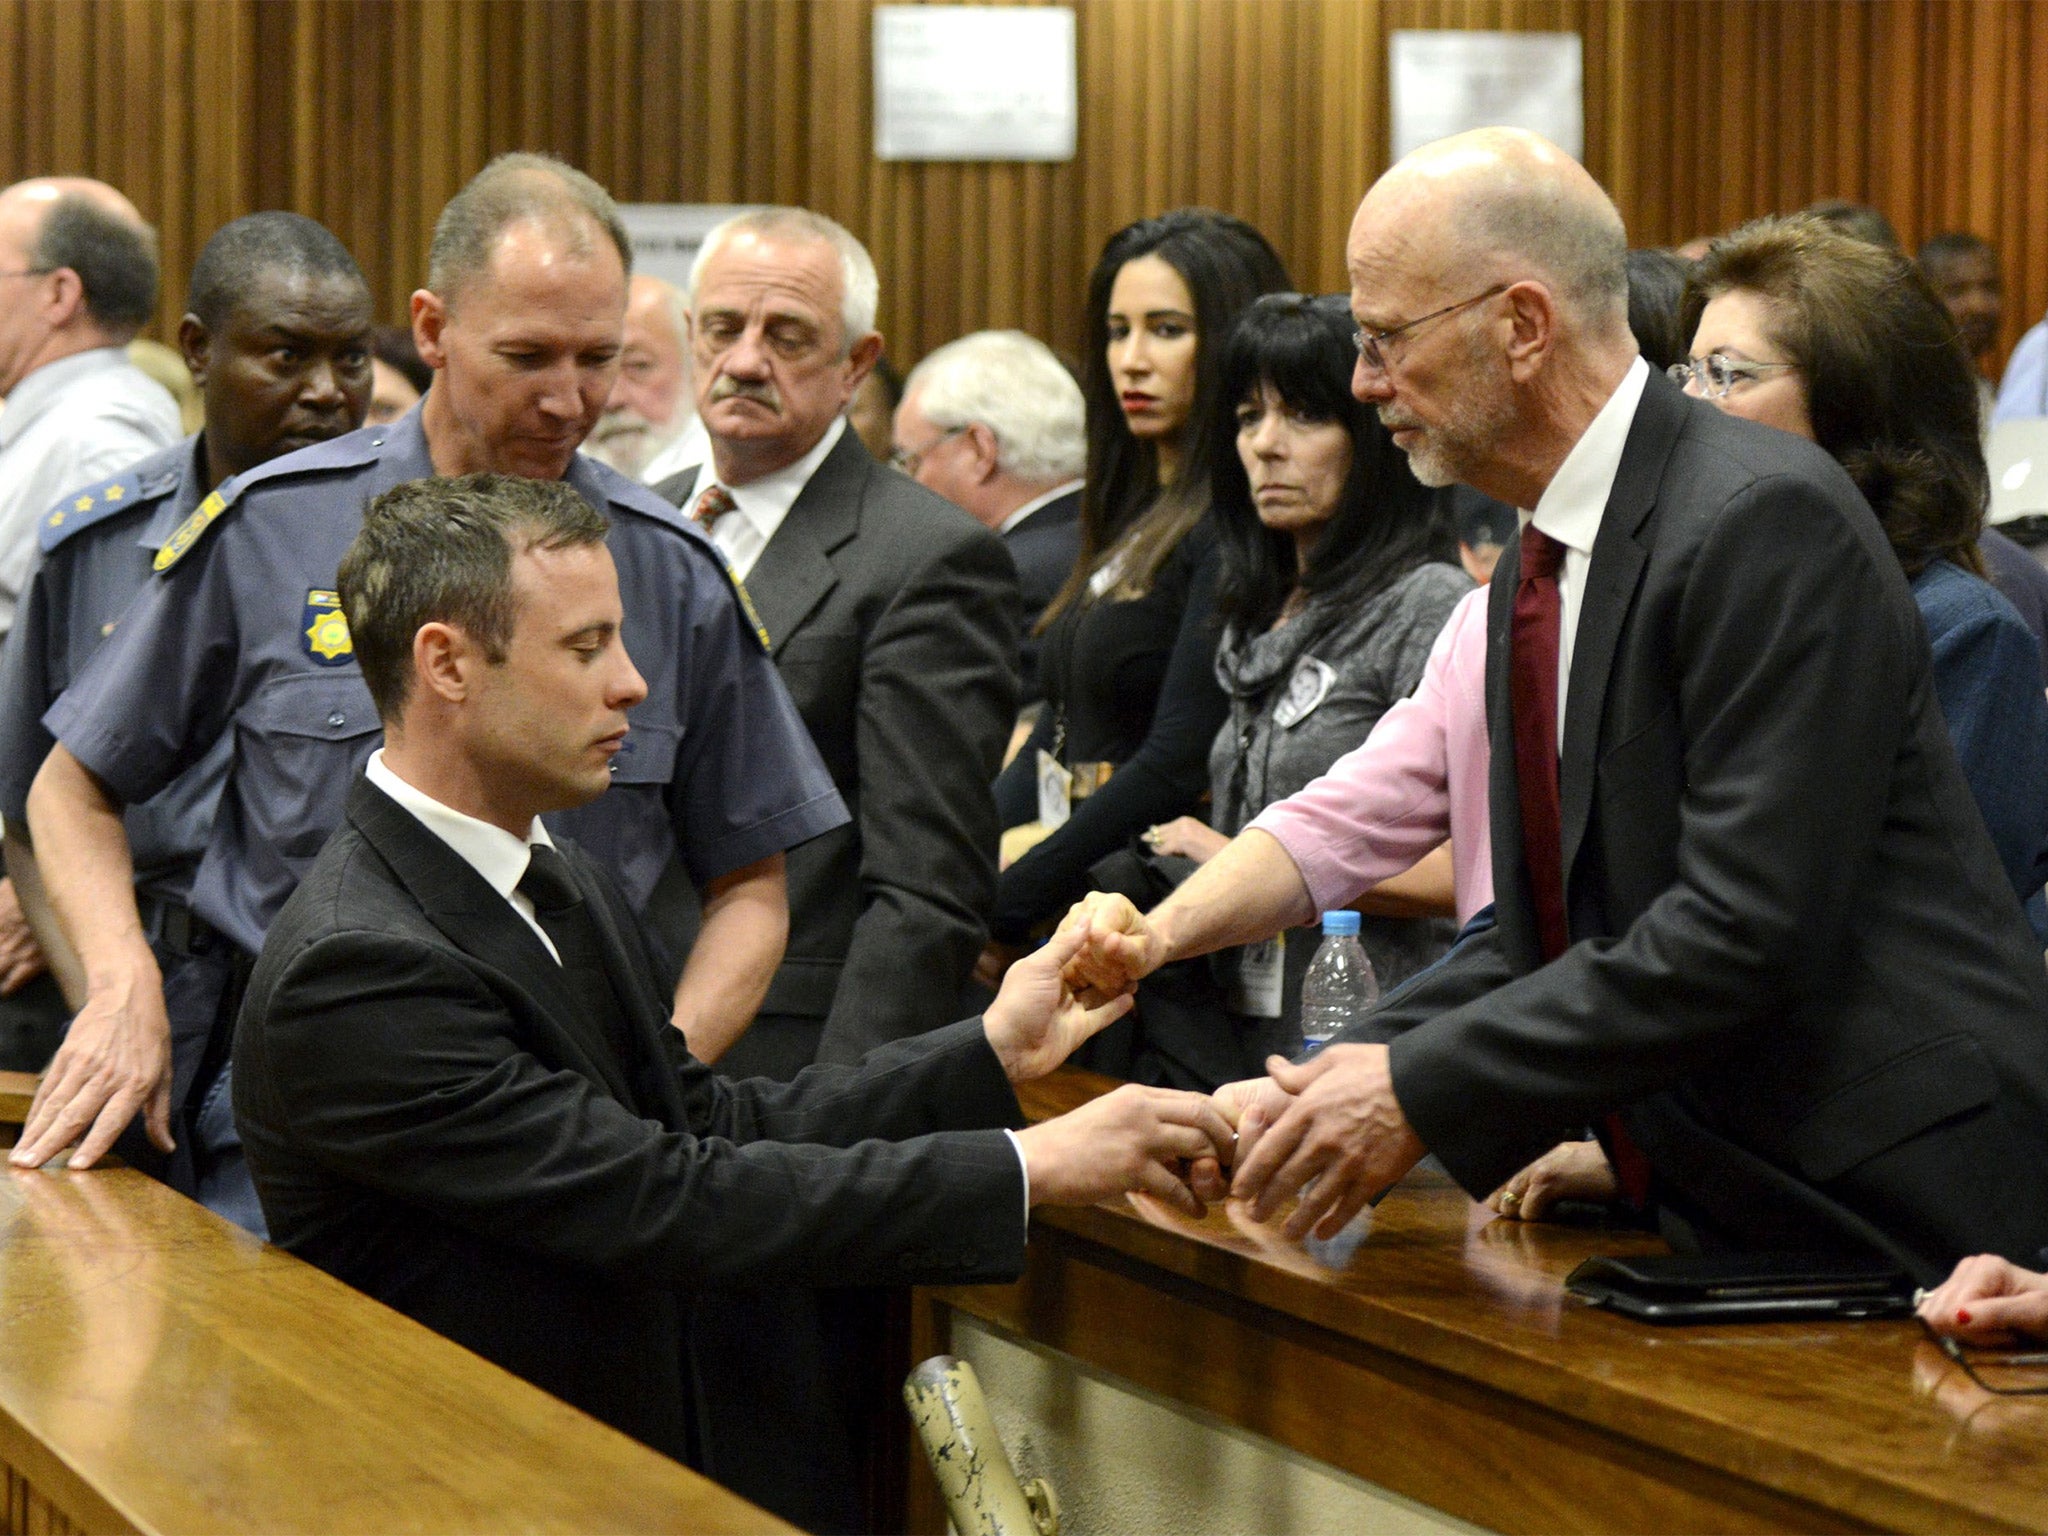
x=1803, y=328
x=1131, y=700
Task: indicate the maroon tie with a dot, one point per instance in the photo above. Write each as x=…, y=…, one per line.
x=1533, y=646
x=1533, y=652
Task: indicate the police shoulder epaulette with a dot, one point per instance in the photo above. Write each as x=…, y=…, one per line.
x=349, y=452
x=190, y=531
x=95, y=504
x=638, y=498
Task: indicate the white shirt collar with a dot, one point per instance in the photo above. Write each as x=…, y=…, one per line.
x=1036, y=502
x=765, y=502
x=1573, y=503
x=42, y=387
x=491, y=851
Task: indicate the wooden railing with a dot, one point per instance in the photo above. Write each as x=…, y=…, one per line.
x=1443, y=1361
x=162, y=1371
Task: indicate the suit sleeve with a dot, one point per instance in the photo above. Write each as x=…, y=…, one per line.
x=400, y=1070
x=1794, y=649
x=938, y=696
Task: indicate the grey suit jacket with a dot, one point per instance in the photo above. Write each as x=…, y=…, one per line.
x=1796, y=967
x=436, y=1113
x=892, y=616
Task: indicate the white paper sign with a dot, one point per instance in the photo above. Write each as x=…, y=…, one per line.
x=1446, y=82
x=974, y=82
x=666, y=235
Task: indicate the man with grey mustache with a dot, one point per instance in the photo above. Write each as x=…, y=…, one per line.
x=892, y=616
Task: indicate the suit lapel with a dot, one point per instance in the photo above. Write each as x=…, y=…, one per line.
x=1611, y=579
x=479, y=922
x=794, y=573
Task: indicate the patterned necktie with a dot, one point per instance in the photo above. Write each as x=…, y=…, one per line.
x=713, y=504
x=1536, y=631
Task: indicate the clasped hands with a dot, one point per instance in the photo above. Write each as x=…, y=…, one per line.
x=1329, y=1130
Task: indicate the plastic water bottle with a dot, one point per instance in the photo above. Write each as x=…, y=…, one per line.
x=1340, y=986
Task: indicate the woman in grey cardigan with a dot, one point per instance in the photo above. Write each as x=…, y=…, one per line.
x=1337, y=575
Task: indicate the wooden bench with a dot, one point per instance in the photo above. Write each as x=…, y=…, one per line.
x=162, y=1371
x=1444, y=1362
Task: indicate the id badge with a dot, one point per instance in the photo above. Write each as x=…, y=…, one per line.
x=1261, y=977
x=1055, y=792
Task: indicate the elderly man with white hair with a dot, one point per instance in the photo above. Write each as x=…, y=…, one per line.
x=649, y=429
x=995, y=424
x=892, y=616
x=1751, y=926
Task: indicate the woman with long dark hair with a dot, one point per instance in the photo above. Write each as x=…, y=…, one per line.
x=1336, y=575
x=1131, y=696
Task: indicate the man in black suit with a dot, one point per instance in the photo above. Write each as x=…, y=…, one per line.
x=995, y=424
x=893, y=620
x=456, y=1076
x=1751, y=927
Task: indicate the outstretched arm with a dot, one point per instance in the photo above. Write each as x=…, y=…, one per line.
x=116, y=1059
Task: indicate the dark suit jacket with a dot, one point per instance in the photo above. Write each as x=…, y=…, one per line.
x=1795, y=963
x=892, y=616
x=434, y=1116
x=1045, y=546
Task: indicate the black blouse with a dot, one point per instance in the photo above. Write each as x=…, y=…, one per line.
x=1128, y=682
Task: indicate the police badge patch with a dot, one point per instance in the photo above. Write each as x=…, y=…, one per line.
x=325, y=631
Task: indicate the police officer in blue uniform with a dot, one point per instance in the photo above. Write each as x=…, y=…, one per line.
x=240, y=635
x=276, y=334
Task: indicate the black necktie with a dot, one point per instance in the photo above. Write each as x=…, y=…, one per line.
x=565, y=918
x=558, y=905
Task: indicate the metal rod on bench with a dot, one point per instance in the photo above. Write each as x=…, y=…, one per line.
x=983, y=1496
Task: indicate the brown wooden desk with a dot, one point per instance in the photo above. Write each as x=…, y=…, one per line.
x=162, y=1371
x=1444, y=1363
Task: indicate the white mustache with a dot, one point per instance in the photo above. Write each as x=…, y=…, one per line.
x=726, y=387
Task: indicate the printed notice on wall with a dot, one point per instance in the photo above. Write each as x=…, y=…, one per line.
x=1446, y=82
x=974, y=82
x=666, y=235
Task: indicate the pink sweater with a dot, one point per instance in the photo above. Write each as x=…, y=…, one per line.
x=1419, y=777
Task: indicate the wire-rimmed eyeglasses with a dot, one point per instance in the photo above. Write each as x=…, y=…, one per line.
x=1717, y=373
x=910, y=462
x=1373, y=345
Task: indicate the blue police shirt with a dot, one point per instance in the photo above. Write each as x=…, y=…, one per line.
x=97, y=547
x=241, y=635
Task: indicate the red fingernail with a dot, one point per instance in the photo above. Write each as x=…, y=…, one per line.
x=1962, y=1316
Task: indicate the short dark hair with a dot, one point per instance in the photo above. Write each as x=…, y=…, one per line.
x=1656, y=297
x=1951, y=244
x=514, y=189
x=1382, y=528
x=230, y=263
x=1888, y=388
x=440, y=551
x=114, y=257
x=1226, y=263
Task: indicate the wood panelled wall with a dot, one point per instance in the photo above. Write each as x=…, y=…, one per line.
x=368, y=113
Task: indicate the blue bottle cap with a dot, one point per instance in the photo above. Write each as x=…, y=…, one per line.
x=1340, y=923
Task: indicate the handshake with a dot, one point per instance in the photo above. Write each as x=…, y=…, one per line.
x=1329, y=1131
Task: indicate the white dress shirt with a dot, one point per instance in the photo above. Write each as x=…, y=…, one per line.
x=491, y=851
x=1571, y=506
x=761, y=504
x=68, y=426
x=1036, y=502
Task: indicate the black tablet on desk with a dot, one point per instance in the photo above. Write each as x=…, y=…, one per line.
x=1743, y=1287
